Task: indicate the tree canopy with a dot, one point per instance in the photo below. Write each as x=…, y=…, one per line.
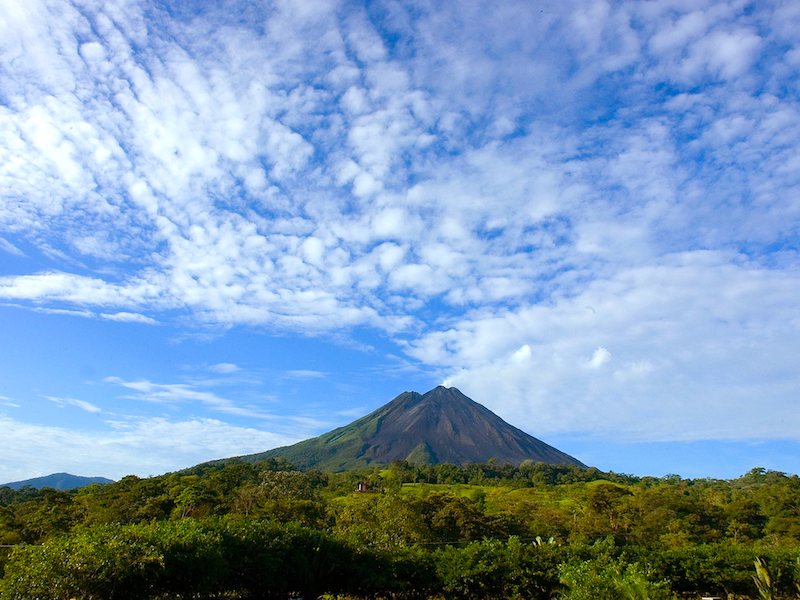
x=260, y=530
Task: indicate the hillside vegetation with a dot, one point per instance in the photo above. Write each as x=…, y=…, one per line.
x=266, y=530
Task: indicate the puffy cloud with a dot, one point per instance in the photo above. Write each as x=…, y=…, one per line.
x=696, y=342
x=240, y=175
x=523, y=354
x=600, y=357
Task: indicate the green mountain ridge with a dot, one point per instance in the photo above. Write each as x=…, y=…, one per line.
x=440, y=426
x=58, y=481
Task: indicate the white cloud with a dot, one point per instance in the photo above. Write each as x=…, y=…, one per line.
x=417, y=278
x=187, y=128
x=225, y=368
x=696, y=341
x=600, y=357
x=305, y=374
x=8, y=402
x=179, y=393
x=128, y=317
x=153, y=445
x=10, y=248
x=677, y=34
x=731, y=53
x=68, y=287
x=391, y=223
x=85, y=314
x=521, y=355
x=82, y=404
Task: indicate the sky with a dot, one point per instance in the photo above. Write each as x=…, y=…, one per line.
x=229, y=226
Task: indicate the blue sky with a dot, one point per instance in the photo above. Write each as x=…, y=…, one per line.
x=230, y=226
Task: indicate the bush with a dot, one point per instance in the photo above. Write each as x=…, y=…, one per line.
x=610, y=580
x=200, y=559
x=494, y=569
x=108, y=563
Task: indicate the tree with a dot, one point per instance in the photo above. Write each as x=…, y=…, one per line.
x=451, y=518
x=385, y=521
x=51, y=513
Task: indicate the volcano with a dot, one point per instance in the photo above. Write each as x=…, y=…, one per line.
x=440, y=426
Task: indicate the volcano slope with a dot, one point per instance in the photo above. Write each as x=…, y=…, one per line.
x=440, y=426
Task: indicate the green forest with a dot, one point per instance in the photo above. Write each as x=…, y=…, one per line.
x=267, y=530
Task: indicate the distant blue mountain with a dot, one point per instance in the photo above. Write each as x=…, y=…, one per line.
x=59, y=481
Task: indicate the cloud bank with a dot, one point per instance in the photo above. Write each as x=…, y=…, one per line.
x=584, y=214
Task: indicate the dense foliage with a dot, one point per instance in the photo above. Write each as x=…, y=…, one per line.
x=262, y=530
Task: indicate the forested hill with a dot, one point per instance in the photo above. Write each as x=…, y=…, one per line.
x=441, y=426
x=58, y=481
